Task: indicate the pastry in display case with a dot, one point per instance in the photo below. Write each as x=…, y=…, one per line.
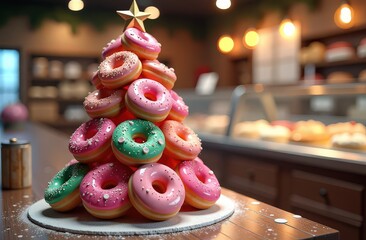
x=310, y=132
x=361, y=49
x=339, y=51
x=250, y=129
x=275, y=133
x=362, y=76
x=340, y=77
x=314, y=53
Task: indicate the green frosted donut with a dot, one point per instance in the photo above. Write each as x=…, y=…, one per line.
x=62, y=190
x=137, y=141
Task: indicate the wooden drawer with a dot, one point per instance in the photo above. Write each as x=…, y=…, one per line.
x=253, y=178
x=330, y=197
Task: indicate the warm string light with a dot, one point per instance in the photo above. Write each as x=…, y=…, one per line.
x=251, y=38
x=343, y=16
x=154, y=12
x=76, y=5
x=225, y=44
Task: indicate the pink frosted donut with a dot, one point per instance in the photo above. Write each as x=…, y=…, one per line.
x=141, y=43
x=119, y=69
x=91, y=141
x=97, y=83
x=181, y=141
x=104, y=103
x=200, y=183
x=113, y=46
x=179, y=109
x=149, y=100
x=156, y=191
x=155, y=70
x=104, y=190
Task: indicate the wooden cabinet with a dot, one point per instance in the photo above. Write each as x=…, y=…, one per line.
x=335, y=202
x=57, y=86
x=326, y=186
x=258, y=179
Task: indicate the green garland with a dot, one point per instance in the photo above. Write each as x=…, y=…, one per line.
x=37, y=14
x=256, y=10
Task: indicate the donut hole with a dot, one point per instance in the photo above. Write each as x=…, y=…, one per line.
x=118, y=62
x=104, y=93
x=183, y=135
x=65, y=178
x=159, y=186
x=139, y=138
x=201, y=177
x=109, y=185
x=91, y=133
x=151, y=96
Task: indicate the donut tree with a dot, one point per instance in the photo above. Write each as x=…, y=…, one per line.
x=135, y=151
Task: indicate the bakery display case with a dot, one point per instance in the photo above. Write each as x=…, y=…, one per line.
x=319, y=109
x=321, y=182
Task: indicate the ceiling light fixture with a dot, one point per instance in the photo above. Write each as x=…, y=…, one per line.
x=344, y=15
x=223, y=4
x=76, y=5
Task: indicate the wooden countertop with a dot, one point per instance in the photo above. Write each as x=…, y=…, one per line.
x=336, y=159
x=251, y=220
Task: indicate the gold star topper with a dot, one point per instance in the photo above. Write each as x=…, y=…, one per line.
x=134, y=18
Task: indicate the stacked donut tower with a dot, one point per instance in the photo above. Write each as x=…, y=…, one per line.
x=135, y=152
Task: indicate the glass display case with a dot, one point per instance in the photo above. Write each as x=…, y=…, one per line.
x=326, y=104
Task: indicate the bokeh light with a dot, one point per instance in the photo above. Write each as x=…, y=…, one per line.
x=251, y=38
x=343, y=17
x=76, y=5
x=225, y=44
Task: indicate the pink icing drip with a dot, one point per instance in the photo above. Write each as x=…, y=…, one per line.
x=178, y=104
x=140, y=88
x=199, y=179
x=106, y=187
x=113, y=46
x=97, y=83
x=161, y=202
